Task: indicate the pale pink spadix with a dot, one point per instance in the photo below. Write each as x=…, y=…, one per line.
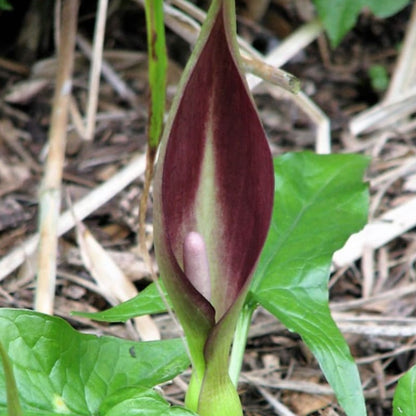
x=195, y=263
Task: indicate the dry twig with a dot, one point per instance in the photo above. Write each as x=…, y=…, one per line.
x=278, y=407
x=405, y=73
x=119, y=86
x=50, y=193
x=82, y=208
x=95, y=72
x=400, y=100
x=377, y=233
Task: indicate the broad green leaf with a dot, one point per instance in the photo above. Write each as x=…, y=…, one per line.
x=338, y=16
x=404, y=401
x=319, y=201
x=386, y=8
x=3, y=412
x=139, y=402
x=13, y=402
x=146, y=302
x=61, y=371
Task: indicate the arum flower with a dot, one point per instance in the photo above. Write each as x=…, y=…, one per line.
x=213, y=197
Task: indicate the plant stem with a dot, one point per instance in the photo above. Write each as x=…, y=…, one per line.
x=240, y=340
x=157, y=57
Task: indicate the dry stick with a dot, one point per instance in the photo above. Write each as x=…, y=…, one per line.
x=370, y=325
x=379, y=232
x=405, y=73
x=190, y=9
x=292, y=385
x=148, y=175
x=10, y=136
x=321, y=120
x=404, y=167
x=291, y=46
x=272, y=74
x=76, y=117
x=279, y=408
x=282, y=54
x=390, y=354
x=385, y=113
x=50, y=193
x=382, y=190
x=388, y=295
x=256, y=9
x=317, y=116
x=304, y=386
x=400, y=100
x=363, y=324
x=82, y=208
x=388, y=326
x=14, y=67
x=378, y=330
x=180, y=23
x=95, y=71
x=57, y=23
x=122, y=89
x=367, y=267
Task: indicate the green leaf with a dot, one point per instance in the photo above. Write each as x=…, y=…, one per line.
x=386, y=8
x=319, y=201
x=61, y=371
x=379, y=77
x=5, y=5
x=13, y=403
x=147, y=302
x=4, y=412
x=139, y=402
x=404, y=401
x=338, y=16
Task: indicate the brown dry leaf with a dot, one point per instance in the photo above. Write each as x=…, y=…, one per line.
x=304, y=404
x=255, y=9
x=111, y=280
x=13, y=176
x=131, y=265
x=25, y=91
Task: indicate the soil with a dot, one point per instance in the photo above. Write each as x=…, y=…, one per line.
x=277, y=365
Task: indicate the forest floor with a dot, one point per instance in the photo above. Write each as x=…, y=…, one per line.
x=372, y=287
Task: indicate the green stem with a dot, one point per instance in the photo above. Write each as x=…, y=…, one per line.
x=157, y=58
x=240, y=340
